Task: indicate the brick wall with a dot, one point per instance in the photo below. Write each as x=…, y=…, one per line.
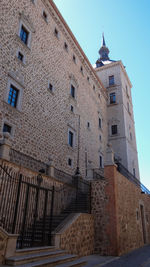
x=41, y=121
x=78, y=237
x=116, y=206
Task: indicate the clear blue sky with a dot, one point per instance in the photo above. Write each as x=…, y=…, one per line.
x=126, y=25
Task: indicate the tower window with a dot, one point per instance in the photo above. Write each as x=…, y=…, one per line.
x=114, y=129
x=112, y=98
x=81, y=69
x=88, y=125
x=94, y=87
x=88, y=78
x=70, y=138
x=50, y=87
x=6, y=128
x=13, y=96
x=111, y=80
x=24, y=35
x=72, y=91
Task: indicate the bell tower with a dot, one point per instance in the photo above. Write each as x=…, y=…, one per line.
x=120, y=118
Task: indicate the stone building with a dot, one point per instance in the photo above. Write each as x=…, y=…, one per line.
x=120, y=118
x=62, y=116
x=53, y=103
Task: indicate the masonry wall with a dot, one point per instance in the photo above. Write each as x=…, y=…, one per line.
x=121, y=114
x=78, y=237
x=42, y=119
x=116, y=206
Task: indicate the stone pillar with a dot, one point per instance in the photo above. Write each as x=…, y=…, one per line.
x=7, y=245
x=109, y=156
x=51, y=168
x=5, y=147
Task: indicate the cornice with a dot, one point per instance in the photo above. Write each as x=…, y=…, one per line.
x=69, y=36
x=119, y=62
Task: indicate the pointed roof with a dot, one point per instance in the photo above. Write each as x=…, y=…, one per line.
x=103, y=40
x=104, y=52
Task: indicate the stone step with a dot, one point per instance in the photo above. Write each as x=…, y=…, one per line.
x=34, y=250
x=50, y=262
x=28, y=258
x=74, y=263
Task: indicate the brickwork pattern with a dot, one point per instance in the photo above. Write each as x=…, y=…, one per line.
x=40, y=125
x=79, y=237
x=116, y=209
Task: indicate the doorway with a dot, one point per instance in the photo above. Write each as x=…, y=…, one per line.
x=143, y=223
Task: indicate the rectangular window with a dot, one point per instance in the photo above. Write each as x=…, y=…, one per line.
x=65, y=46
x=88, y=125
x=100, y=123
x=70, y=162
x=6, y=128
x=13, y=96
x=111, y=80
x=112, y=98
x=72, y=92
x=56, y=32
x=24, y=35
x=45, y=16
x=100, y=161
x=50, y=87
x=70, y=138
x=74, y=58
x=20, y=56
x=114, y=129
x=71, y=108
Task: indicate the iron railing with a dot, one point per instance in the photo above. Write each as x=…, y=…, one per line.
x=29, y=204
x=131, y=177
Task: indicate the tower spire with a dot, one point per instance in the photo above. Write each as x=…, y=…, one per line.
x=103, y=40
x=104, y=51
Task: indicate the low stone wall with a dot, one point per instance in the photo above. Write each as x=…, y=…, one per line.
x=77, y=236
x=7, y=245
x=118, y=206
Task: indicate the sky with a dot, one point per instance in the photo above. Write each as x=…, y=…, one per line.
x=126, y=26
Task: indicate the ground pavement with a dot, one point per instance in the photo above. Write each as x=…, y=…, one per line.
x=137, y=258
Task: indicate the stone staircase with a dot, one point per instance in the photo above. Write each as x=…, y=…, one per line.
x=81, y=206
x=43, y=256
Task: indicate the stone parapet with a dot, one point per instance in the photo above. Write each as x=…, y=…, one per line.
x=76, y=235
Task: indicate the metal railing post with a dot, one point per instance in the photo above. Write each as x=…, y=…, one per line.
x=17, y=204
x=51, y=215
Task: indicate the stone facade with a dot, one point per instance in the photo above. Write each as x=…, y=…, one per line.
x=77, y=236
x=52, y=63
x=120, y=113
x=121, y=214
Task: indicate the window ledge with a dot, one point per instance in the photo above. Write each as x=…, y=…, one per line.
x=112, y=104
x=46, y=20
x=71, y=148
x=73, y=98
x=12, y=108
x=21, y=62
x=51, y=92
x=110, y=86
x=21, y=42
